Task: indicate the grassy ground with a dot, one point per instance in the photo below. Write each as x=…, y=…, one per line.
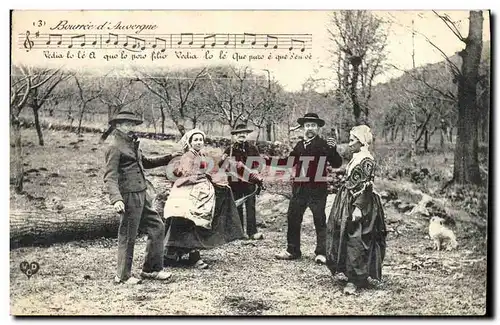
x=243, y=279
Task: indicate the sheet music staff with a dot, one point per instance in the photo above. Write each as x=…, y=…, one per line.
x=162, y=42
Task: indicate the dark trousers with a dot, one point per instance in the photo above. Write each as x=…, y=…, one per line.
x=303, y=198
x=139, y=214
x=239, y=191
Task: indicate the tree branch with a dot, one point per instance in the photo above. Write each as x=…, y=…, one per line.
x=451, y=25
x=46, y=79
x=449, y=95
x=151, y=89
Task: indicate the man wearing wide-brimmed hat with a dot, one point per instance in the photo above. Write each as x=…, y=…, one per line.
x=240, y=152
x=126, y=185
x=309, y=188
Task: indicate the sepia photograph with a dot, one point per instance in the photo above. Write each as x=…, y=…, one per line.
x=250, y=163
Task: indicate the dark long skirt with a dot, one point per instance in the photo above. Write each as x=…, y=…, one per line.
x=183, y=236
x=356, y=249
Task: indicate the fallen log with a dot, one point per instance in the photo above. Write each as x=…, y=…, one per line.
x=45, y=227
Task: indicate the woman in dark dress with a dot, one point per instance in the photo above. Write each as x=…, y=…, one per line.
x=199, y=213
x=356, y=229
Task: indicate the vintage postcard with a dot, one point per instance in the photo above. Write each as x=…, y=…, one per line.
x=249, y=163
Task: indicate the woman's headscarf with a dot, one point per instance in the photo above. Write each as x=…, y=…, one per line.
x=364, y=134
x=186, y=139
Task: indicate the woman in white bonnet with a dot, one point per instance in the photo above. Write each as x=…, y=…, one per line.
x=356, y=229
x=199, y=213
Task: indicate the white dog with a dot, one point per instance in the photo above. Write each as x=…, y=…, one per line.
x=439, y=234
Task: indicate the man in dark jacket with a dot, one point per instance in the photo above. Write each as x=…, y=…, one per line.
x=126, y=185
x=240, y=152
x=310, y=188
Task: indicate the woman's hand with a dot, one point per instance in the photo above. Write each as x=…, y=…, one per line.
x=356, y=214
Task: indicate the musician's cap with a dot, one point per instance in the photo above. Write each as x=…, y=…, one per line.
x=126, y=116
x=241, y=128
x=311, y=117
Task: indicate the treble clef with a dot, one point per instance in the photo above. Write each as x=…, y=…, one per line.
x=28, y=44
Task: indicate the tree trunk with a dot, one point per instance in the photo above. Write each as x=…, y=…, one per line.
x=442, y=136
x=339, y=74
x=274, y=131
x=423, y=127
x=345, y=81
x=162, y=120
x=18, y=155
x=413, y=152
x=37, y=125
x=426, y=140
x=403, y=132
x=356, y=109
x=180, y=127
x=36, y=227
x=288, y=132
x=268, y=131
x=466, y=163
x=80, y=119
x=485, y=121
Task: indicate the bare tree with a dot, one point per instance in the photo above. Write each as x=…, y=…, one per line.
x=116, y=94
x=466, y=162
x=38, y=96
x=86, y=95
x=359, y=52
x=269, y=109
x=174, y=90
x=235, y=94
x=24, y=80
x=116, y=97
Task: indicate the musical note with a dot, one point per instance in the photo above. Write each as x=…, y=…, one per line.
x=249, y=34
x=95, y=40
x=109, y=39
x=186, y=34
x=55, y=35
x=227, y=41
x=298, y=41
x=275, y=46
x=137, y=43
x=75, y=37
x=28, y=44
x=205, y=40
x=164, y=43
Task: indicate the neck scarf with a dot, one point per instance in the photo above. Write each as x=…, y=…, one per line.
x=308, y=142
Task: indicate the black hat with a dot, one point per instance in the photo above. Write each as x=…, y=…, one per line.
x=311, y=117
x=241, y=128
x=126, y=116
